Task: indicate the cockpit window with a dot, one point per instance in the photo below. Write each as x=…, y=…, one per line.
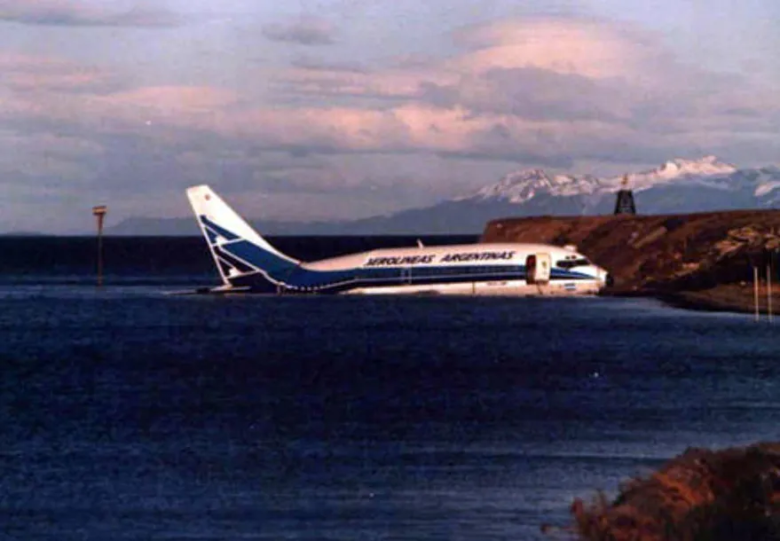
x=571, y=263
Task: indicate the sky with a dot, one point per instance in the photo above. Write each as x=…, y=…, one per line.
x=339, y=109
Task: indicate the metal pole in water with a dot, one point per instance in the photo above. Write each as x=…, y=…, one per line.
x=755, y=289
x=100, y=212
x=769, y=291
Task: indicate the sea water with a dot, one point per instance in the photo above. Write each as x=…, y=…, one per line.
x=127, y=413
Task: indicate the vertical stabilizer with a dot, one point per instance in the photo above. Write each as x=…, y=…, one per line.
x=239, y=252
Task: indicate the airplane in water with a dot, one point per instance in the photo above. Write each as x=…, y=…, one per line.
x=248, y=263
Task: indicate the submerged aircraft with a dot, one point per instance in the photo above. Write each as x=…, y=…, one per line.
x=248, y=263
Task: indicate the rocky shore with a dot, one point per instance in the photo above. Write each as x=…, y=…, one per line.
x=702, y=261
x=700, y=495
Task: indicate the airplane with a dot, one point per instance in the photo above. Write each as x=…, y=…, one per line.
x=248, y=263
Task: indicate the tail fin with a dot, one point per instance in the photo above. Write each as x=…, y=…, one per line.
x=241, y=255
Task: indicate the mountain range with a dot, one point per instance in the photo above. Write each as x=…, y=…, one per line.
x=677, y=186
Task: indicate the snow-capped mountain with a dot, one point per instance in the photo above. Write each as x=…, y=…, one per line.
x=708, y=173
x=704, y=171
x=677, y=186
x=522, y=186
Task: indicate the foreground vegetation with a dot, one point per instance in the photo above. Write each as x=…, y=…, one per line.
x=731, y=495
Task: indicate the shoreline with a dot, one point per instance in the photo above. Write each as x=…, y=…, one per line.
x=729, y=298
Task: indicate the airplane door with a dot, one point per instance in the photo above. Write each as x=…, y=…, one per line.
x=537, y=269
x=543, y=268
x=530, y=269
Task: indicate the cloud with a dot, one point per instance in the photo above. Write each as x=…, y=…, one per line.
x=453, y=107
x=151, y=111
x=302, y=31
x=317, y=64
x=389, y=130
x=540, y=90
x=533, y=94
x=554, y=130
x=165, y=102
x=46, y=156
x=340, y=83
x=530, y=67
x=584, y=47
x=72, y=13
x=28, y=73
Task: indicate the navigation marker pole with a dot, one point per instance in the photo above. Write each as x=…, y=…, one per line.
x=755, y=289
x=99, y=212
x=769, y=291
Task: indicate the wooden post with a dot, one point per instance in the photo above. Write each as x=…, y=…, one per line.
x=99, y=212
x=755, y=289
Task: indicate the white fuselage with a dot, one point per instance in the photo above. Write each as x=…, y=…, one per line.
x=474, y=269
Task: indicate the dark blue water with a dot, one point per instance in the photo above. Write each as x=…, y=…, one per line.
x=126, y=413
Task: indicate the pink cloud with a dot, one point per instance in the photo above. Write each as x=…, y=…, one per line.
x=563, y=46
x=28, y=73
x=545, y=88
x=386, y=84
x=31, y=82
x=173, y=115
x=167, y=101
x=567, y=46
x=15, y=61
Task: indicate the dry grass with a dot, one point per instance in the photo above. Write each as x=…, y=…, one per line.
x=685, y=252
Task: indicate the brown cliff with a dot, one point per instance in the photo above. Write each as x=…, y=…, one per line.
x=703, y=259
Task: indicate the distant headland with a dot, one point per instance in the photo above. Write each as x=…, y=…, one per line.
x=702, y=260
x=25, y=234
